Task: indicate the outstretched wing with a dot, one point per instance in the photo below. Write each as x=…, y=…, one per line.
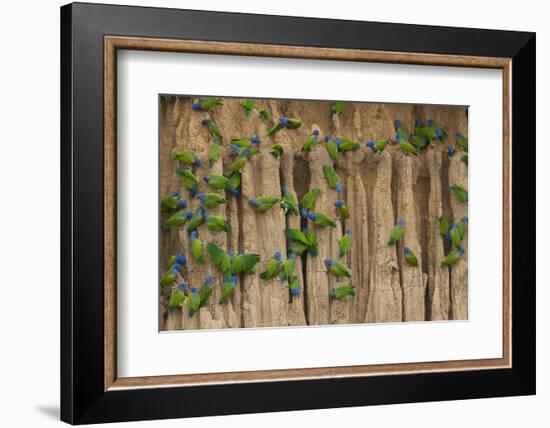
x=219, y=257
x=297, y=235
x=249, y=261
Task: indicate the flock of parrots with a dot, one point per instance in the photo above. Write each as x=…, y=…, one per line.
x=301, y=242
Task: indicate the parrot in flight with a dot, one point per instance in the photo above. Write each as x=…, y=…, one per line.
x=311, y=141
x=285, y=122
x=206, y=290
x=344, y=243
x=338, y=269
x=263, y=203
x=377, y=146
x=195, y=247
x=453, y=257
x=276, y=151
x=302, y=240
x=342, y=292
x=188, y=180
x=347, y=144
x=213, y=153
x=178, y=219
x=207, y=103
x=321, y=220
x=288, y=202
x=273, y=267
x=220, y=258
x=213, y=130
x=215, y=223
x=333, y=179
x=187, y=157
x=308, y=200
x=248, y=105
x=228, y=263
x=462, y=141
x=211, y=200
x=460, y=192
x=342, y=208
x=288, y=268
x=196, y=219
x=337, y=108
x=410, y=257
x=244, y=262
x=444, y=225
x=266, y=114
x=228, y=288
x=194, y=301
x=332, y=148
x=177, y=297
x=172, y=203
x=397, y=232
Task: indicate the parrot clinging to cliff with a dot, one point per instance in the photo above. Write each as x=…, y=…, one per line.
x=216, y=182
x=462, y=227
x=410, y=257
x=194, y=301
x=451, y=151
x=246, y=142
x=294, y=286
x=187, y=157
x=248, y=105
x=454, y=234
x=321, y=220
x=215, y=223
x=288, y=268
x=462, y=141
x=337, y=108
x=214, y=152
x=169, y=277
x=460, y=192
x=344, y=243
x=444, y=225
x=464, y=159
x=333, y=179
x=228, y=288
x=377, y=146
x=338, y=269
x=211, y=200
x=179, y=259
x=276, y=150
x=196, y=219
x=266, y=114
x=195, y=247
x=177, y=297
x=207, y=103
x=213, y=129
x=397, y=232
x=340, y=293
x=406, y=146
x=263, y=203
x=273, y=267
x=347, y=144
x=285, y=122
x=311, y=141
x=400, y=133
x=178, y=219
x=332, y=148
x=288, y=202
x=188, y=180
x=302, y=240
x=172, y=203
x=453, y=257
x=206, y=290
x=307, y=201
x=342, y=208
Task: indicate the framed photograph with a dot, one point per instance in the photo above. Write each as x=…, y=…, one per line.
x=265, y=213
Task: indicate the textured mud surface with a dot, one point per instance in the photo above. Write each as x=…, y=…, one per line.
x=378, y=189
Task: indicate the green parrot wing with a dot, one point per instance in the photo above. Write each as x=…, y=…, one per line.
x=309, y=198
x=332, y=150
x=297, y=235
x=332, y=176
x=213, y=153
x=176, y=299
x=219, y=257
x=196, y=250
x=249, y=261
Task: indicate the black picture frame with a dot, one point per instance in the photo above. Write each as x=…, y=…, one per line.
x=83, y=398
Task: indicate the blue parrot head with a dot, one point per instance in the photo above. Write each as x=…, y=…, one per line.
x=448, y=237
x=233, y=279
x=451, y=151
x=206, y=178
x=327, y=138
x=348, y=232
x=339, y=203
x=196, y=106
x=418, y=123
x=316, y=132
x=194, y=235
x=453, y=226
x=430, y=122
x=370, y=145
x=460, y=250
x=193, y=191
x=312, y=216
x=303, y=212
x=235, y=148
x=205, y=122
x=194, y=290
x=464, y=219
x=283, y=120
x=175, y=194
x=230, y=253
x=208, y=280
x=332, y=293
x=339, y=187
x=277, y=256
x=304, y=229
x=438, y=133
x=182, y=286
x=198, y=162
x=329, y=262
x=182, y=203
x=188, y=214
x=400, y=222
x=284, y=190
x=353, y=293
x=201, y=196
x=406, y=250
x=398, y=138
x=397, y=123
x=176, y=266
x=205, y=214
x=459, y=135
x=293, y=256
x=256, y=140
x=295, y=291
x=181, y=259
x=253, y=202
x=337, y=142
x=234, y=192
